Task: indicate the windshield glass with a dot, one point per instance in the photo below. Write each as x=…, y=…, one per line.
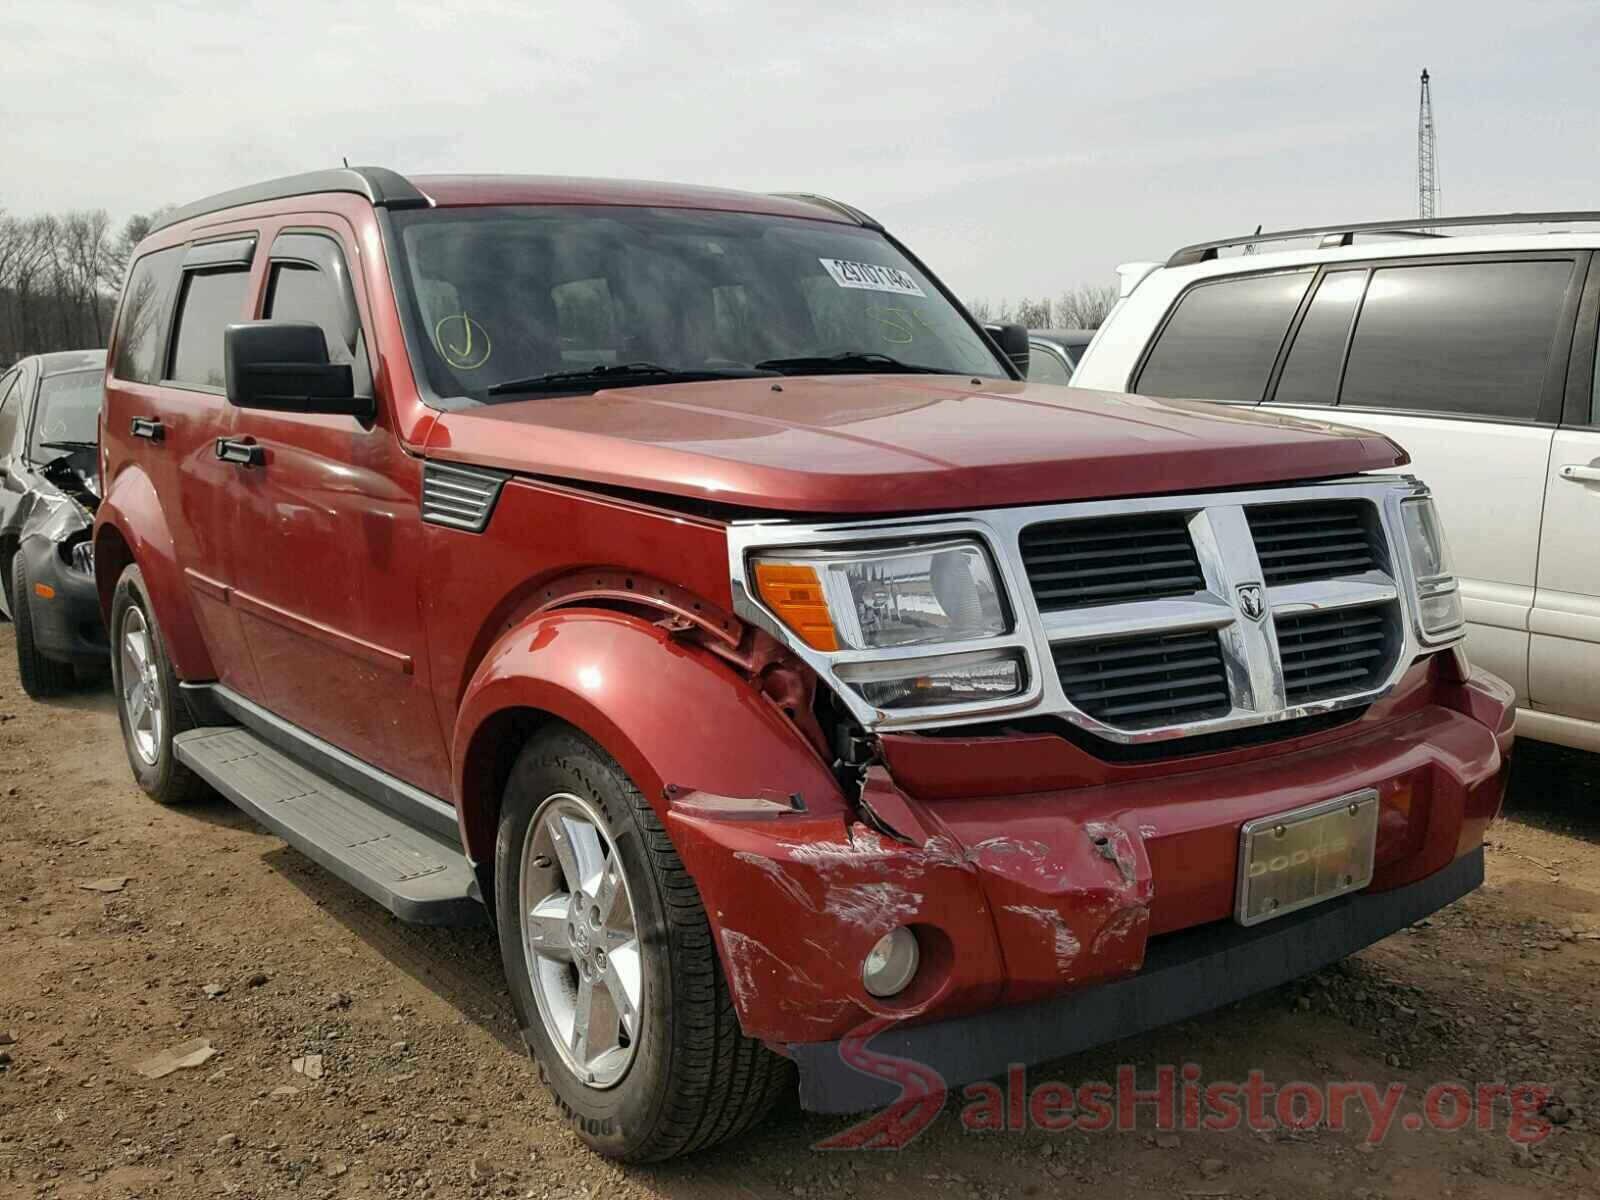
x=68, y=411
x=498, y=296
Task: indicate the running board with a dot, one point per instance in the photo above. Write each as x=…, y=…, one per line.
x=419, y=878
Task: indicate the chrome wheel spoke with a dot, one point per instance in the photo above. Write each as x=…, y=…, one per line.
x=582, y=1013
x=589, y=854
x=547, y=927
x=624, y=984
x=605, y=897
x=567, y=856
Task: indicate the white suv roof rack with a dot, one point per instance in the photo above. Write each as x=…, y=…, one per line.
x=1344, y=235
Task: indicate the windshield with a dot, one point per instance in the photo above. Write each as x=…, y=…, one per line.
x=501, y=296
x=67, y=415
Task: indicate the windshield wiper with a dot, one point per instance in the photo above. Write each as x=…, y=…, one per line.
x=850, y=360
x=69, y=445
x=608, y=375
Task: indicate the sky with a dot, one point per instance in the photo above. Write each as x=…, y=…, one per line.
x=1019, y=149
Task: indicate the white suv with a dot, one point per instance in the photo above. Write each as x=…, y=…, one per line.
x=1477, y=354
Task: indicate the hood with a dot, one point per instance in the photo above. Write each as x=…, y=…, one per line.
x=898, y=443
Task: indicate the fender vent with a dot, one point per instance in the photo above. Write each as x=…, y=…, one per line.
x=459, y=497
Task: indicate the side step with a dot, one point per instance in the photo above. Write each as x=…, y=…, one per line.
x=417, y=877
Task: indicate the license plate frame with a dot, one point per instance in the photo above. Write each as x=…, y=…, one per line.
x=1328, y=849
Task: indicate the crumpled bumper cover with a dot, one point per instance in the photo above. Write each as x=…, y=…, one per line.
x=1025, y=899
x=68, y=626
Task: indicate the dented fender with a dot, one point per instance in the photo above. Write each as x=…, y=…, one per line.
x=671, y=713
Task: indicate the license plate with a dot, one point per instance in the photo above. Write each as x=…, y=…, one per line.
x=1303, y=857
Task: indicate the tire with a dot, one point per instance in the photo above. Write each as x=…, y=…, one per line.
x=41, y=677
x=691, y=1078
x=155, y=765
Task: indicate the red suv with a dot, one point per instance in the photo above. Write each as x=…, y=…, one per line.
x=684, y=578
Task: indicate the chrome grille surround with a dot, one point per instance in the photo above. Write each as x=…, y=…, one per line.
x=1229, y=566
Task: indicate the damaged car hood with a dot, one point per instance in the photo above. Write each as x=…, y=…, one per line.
x=897, y=443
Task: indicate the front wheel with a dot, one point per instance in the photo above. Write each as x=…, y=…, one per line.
x=611, y=964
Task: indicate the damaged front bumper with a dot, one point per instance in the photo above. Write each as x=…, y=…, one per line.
x=1053, y=919
x=64, y=605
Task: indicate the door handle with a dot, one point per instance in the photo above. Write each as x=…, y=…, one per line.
x=1580, y=474
x=147, y=427
x=244, y=452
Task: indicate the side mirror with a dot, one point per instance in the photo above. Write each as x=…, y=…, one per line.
x=1013, y=343
x=283, y=366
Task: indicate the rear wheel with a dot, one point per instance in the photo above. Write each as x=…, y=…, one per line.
x=149, y=706
x=611, y=963
x=41, y=677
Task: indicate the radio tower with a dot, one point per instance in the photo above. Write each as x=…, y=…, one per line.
x=1427, y=158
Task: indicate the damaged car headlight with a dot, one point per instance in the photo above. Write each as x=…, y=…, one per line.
x=878, y=600
x=80, y=556
x=907, y=623
x=1439, y=614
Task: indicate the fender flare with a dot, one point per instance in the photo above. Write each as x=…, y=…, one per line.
x=670, y=713
x=132, y=512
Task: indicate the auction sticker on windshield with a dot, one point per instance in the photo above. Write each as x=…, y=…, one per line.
x=849, y=274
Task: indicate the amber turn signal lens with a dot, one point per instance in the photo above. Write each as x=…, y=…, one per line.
x=44, y=591
x=793, y=591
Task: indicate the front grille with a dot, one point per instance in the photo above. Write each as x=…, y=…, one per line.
x=1136, y=682
x=1333, y=653
x=1299, y=543
x=1075, y=564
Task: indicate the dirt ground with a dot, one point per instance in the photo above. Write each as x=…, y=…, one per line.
x=221, y=932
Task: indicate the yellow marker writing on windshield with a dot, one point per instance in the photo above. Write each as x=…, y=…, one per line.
x=474, y=349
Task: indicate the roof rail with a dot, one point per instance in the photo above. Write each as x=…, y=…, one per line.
x=382, y=187
x=1343, y=235
x=838, y=206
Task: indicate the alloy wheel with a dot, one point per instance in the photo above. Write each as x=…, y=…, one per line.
x=580, y=938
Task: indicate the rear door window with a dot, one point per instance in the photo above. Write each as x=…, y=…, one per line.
x=1464, y=339
x=1311, y=373
x=212, y=300
x=141, y=322
x=1222, y=339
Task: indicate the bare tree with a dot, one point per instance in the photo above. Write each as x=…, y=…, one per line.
x=1085, y=307
x=1033, y=314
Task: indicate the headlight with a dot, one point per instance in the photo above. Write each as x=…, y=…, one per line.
x=80, y=556
x=878, y=600
x=903, y=621
x=1438, y=596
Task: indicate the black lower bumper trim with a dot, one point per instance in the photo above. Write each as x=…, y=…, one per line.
x=1185, y=974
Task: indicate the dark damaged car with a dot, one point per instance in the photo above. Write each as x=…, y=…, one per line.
x=49, y=490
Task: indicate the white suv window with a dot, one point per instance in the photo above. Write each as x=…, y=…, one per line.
x=1223, y=338
x=1467, y=339
x=1311, y=373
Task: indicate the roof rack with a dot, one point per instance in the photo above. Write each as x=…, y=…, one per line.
x=382, y=187
x=838, y=206
x=1344, y=235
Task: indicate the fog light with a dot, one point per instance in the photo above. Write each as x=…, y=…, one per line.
x=891, y=963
